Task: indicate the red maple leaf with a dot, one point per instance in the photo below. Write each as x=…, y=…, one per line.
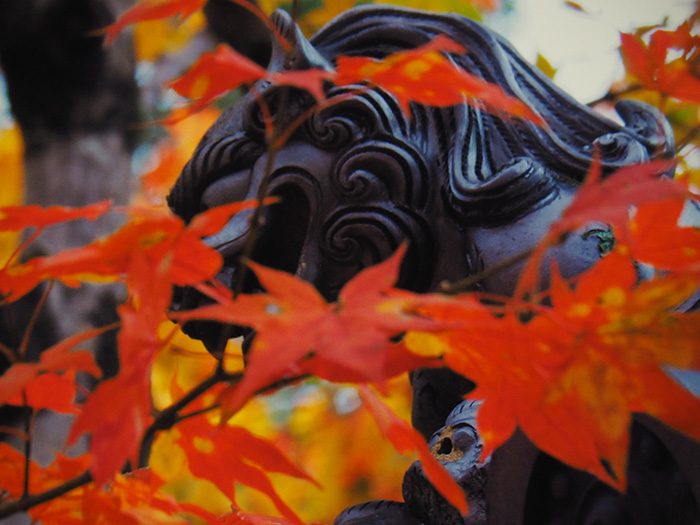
x=572, y=375
x=17, y=218
x=426, y=76
x=12, y=472
x=215, y=74
x=407, y=439
x=248, y=460
x=153, y=10
x=37, y=380
x=297, y=332
x=152, y=233
x=609, y=201
x=650, y=62
x=656, y=237
x=119, y=411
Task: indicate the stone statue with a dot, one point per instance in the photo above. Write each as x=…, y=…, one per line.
x=465, y=188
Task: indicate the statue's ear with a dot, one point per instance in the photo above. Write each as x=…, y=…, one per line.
x=302, y=54
x=649, y=126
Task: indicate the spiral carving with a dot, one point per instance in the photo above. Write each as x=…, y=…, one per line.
x=378, y=170
x=365, y=236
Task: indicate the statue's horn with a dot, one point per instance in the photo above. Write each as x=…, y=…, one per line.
x=301, y=54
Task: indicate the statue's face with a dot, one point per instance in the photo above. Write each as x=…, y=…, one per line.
x=331, y=220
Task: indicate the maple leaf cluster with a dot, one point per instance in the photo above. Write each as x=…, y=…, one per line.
x=423, y=75
x=668, y=62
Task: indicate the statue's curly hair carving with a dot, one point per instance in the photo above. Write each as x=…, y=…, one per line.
x=493, y=170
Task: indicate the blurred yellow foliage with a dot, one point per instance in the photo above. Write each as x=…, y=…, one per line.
x=184, y=363
x=153, y=39
x=471, y=9
x=322, y=427
x=314, y=19
x=337, y=442
x=170, y=155
x=12, y=176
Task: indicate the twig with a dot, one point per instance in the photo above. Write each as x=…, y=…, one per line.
x=29, y=501
x=167, y=418
x=687, y=138
x=465, y=284
x=28, y=417
x=614, y=95
x=272, y=148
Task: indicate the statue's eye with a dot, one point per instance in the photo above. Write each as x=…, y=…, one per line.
x=605, y=237
x=231, y=188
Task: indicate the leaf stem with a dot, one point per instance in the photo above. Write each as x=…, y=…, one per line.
x=34, y=319
x=13, y=431
x=8, y=353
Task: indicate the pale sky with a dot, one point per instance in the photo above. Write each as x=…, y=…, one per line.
x=583, y=46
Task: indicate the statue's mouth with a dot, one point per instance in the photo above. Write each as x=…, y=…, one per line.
x=213, y=334
x=279, y=243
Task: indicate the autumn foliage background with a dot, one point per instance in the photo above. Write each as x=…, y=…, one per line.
x=220, y=440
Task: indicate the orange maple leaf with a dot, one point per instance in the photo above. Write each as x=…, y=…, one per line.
x=407, y=439
x=64, y=510
x=152, y=10
x=650, y=64
x=609, y=201
x=118, y=412
x=248, y=460
x=16, y=218
x=571, y=376
x=134, y=498
x=426, y=76
x=298, y=332
x=656, y=237
x=49, y=391
x=215, y=74
x=153, y=233
x=23, y=377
